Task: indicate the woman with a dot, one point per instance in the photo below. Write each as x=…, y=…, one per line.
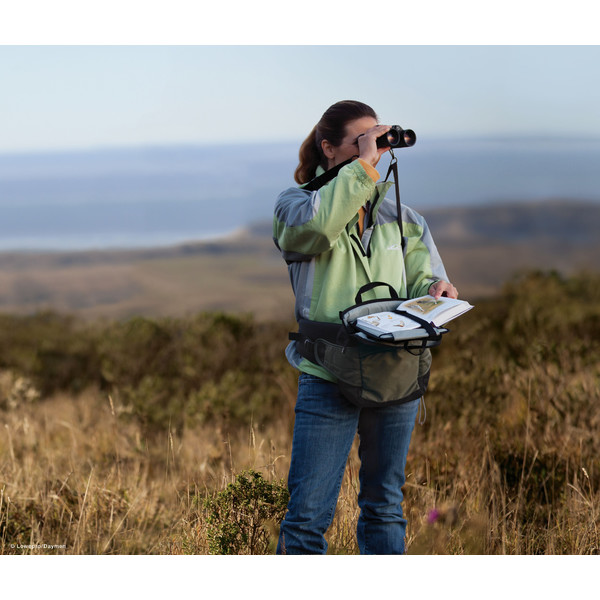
x=335, y=240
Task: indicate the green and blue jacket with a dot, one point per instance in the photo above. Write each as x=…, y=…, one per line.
x=329, y=261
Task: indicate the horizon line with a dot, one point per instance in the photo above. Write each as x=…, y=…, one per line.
x=128, y=147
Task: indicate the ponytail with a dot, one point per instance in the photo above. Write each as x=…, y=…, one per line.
x=310, y=158
x=331, y=127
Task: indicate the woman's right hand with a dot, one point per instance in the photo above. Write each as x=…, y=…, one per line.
x=367, y=144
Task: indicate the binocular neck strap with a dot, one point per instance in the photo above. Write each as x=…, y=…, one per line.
x=318, y=182
x=394, y=168
x=321, y=180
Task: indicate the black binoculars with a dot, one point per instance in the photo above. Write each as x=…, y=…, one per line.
x=397, y=137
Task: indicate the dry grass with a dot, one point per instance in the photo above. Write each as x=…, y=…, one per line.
x=82, y=481
x=507, y=461
x=77, y=478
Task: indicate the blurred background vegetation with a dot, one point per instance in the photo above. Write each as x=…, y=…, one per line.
x=118, y=433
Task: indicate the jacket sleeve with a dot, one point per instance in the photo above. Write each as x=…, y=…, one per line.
x=422, y=260
x=308, y=223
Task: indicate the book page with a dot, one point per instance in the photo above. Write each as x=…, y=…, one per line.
x=436, y=311
x=385, y=322
x=424, y=305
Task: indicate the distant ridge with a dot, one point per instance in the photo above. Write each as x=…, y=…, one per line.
x=482, y=247
x=572, y=221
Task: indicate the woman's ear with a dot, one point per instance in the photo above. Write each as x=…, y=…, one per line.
x=327, y=148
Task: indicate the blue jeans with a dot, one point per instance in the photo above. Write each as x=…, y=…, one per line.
x=324, y=431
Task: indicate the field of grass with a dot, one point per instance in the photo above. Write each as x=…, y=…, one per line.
x=172, y=436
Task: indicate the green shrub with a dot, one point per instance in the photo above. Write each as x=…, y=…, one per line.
x=58, y=352
x=243, y=518
x=163, y=372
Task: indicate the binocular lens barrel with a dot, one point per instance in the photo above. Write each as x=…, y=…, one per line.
x=397, y=137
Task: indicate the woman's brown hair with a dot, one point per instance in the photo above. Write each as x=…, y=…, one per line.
x=331, y=127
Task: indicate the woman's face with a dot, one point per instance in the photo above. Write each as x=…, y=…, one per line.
x=349, y=146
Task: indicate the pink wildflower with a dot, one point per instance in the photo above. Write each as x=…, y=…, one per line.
x=433, y=516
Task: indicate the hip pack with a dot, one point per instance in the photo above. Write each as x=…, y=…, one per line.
x=369, y=370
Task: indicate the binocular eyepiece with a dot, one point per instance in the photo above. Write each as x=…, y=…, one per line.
x=397, y=137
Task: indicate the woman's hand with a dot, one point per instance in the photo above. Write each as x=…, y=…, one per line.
x=442, y=288
x=367, y=144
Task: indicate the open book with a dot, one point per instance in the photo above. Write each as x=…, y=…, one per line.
x=436, y=312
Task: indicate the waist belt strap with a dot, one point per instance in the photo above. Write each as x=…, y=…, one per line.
x=310, y=331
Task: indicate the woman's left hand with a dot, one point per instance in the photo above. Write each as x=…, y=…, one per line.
x=367, y=144
x=442, y=288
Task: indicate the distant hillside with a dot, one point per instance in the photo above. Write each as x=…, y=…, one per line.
x=482, y=247
x=571, y=222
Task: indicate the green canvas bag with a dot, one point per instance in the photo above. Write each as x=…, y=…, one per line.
x=369, y=371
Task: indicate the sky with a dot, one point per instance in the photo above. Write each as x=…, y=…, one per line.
x=60, y=94
x=70, y=97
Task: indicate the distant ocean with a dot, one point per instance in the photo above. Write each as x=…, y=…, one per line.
x=144, y=197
